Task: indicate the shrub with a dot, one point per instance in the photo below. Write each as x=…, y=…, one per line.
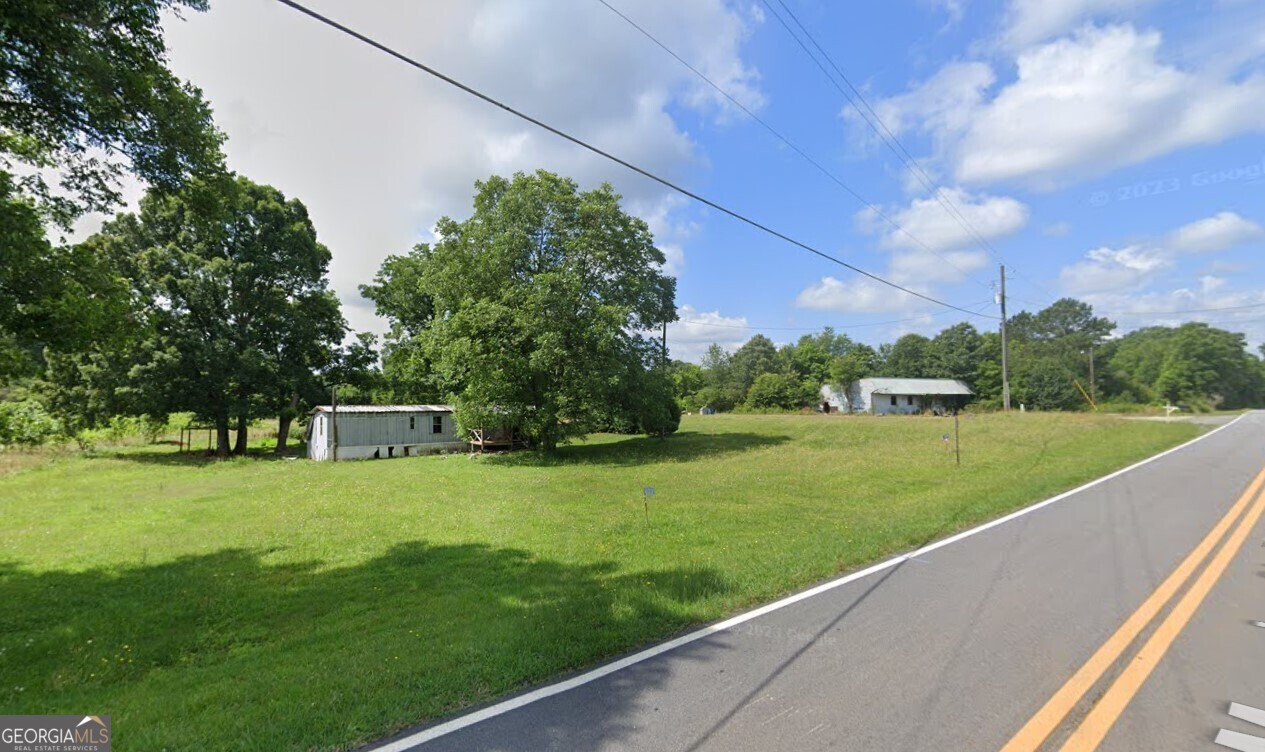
x=26, y=423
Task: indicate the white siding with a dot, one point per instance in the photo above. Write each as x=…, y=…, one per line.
x=394, y=433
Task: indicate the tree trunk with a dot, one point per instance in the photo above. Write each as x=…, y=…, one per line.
x=283, y=433
x=240, y=447
x=221, y=437
x=283, y=423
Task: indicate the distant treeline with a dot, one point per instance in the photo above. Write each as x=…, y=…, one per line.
x=1051, y=356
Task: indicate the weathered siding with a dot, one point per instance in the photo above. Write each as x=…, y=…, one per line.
x=363, y=435
x=393, y=429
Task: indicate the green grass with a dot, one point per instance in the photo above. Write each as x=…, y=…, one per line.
x=269, y=605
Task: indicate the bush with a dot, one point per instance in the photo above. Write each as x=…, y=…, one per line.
x=26, y=423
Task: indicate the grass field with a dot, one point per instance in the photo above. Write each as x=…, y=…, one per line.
x=268, y=605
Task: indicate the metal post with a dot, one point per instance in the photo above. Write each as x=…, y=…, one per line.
x=1005, y=358
x=1093, y=392
x=333, y=420
x=957, y=440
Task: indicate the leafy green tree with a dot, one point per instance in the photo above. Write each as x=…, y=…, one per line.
x=1071, y=320
x=955, y=353
x=536, y=302
x=811, y=357
x=1209, y=365
x=86, y=89
x=779, y=391
x=237, y=312
x=85, y=94
x=1046, y=384
x=66, y=298
x=687, y=380
x=755, y=358
x=858, y=363
x=910, y=357
x=398, y=297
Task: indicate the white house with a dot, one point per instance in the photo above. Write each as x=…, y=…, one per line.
x=381, y=431
x=881, y=396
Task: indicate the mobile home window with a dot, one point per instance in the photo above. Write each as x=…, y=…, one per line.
x=412, y=422
x=909, y=401
x=437, y=424
x=893, y=400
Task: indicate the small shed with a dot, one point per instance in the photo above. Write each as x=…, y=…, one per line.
x=881, y=396
x=381, y=431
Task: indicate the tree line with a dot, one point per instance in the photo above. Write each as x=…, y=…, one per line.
x=1062, y=357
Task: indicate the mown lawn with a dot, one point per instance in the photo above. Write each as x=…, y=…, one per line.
x=270, y=605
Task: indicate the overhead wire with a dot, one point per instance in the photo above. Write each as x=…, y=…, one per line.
x=381, y=47
x=791, y=145
x=887, y=137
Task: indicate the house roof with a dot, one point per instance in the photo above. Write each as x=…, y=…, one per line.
x=377, y=409
x=917, y=386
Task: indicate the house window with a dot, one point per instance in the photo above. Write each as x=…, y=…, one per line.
x=909, y=401
x=437, y=424
x=893, y=400
x=412, y=422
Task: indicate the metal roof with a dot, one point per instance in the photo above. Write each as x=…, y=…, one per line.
x=916, y=386
x=385, y=409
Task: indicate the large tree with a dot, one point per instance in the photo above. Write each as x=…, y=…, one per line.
x=84, y=88
x=910, y=357
x=238, y=316
x=85, y=95
x=535, y=304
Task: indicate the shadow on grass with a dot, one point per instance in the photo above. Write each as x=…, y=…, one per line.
x=157, y=454
x=297, y=656
x=683, y=446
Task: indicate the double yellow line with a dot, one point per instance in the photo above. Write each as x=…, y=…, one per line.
x=1089, y=734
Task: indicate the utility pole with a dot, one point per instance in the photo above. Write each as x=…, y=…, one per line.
x=1005, y=357
x=333, y=419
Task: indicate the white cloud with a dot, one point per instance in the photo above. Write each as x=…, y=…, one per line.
x=1217, y=233
x=930, y=224
x=918, y=268
x=1080, y=106
x=1086, y=105
x=690, y=337
x=1209, y=302
x=378, y=151
x=860, y=295
x=943, y=105
x=1030, y=21
x=1105, y=269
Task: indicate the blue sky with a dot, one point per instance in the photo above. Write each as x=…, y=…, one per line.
x=1112, y=150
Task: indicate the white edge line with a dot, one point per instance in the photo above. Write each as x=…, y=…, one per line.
x=1247, y=713
x=478, y=716
x=1241, y=742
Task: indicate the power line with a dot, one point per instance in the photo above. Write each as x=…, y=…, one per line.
x=624, y=163
x=885, y=134
x=778, y=135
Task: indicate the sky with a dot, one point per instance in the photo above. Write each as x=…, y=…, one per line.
x=1108, y=150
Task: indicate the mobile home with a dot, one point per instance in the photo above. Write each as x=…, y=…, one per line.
x=381, y=431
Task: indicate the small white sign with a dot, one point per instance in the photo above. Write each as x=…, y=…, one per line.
x=647, y=490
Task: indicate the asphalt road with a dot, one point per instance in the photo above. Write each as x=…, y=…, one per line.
x=957, y=648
